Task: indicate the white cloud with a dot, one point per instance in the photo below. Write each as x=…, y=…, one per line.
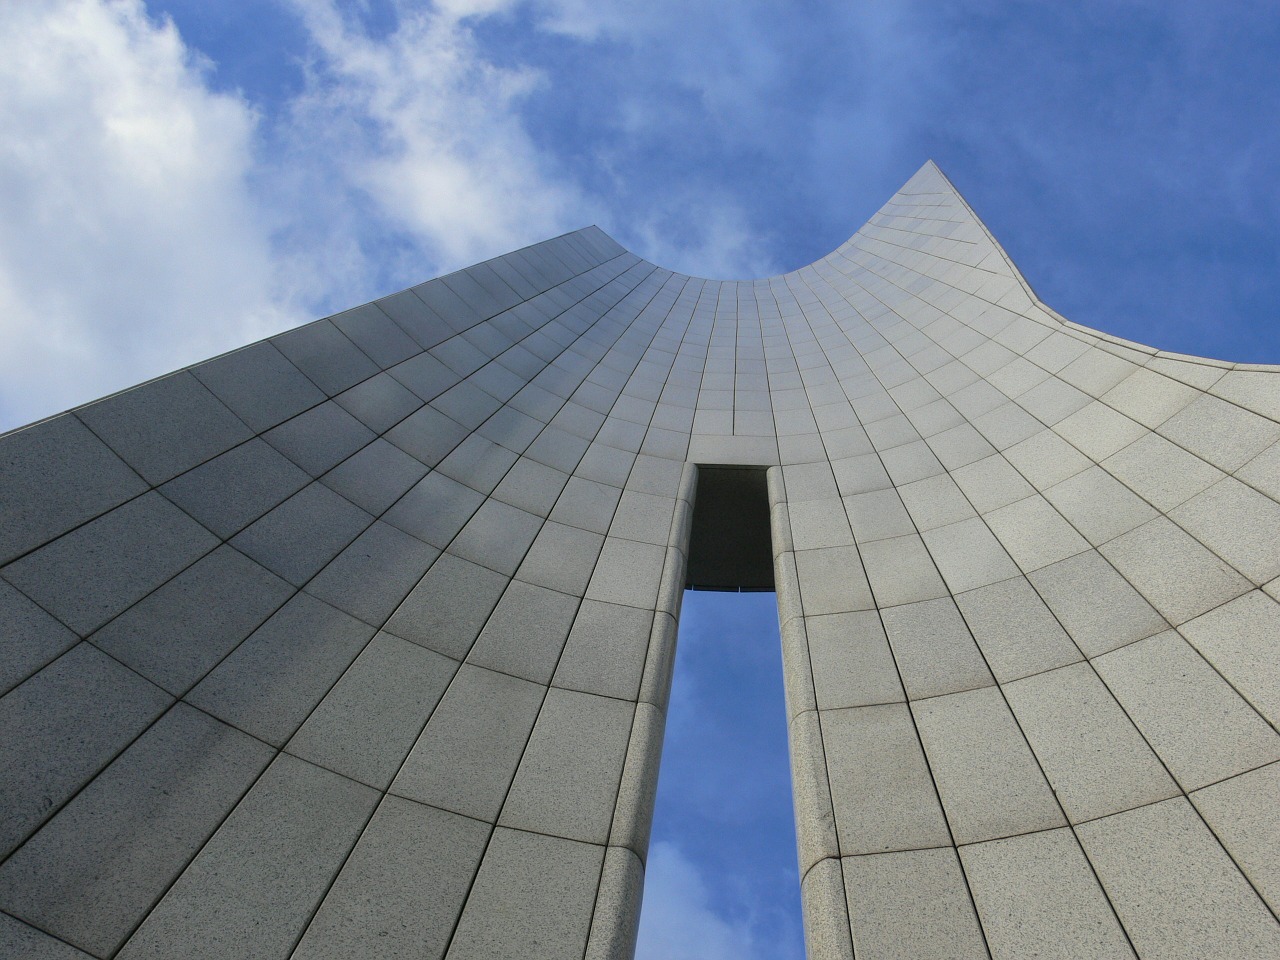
x=148, y=221
x=702, y=236
x=129, y=243
x=424, y=123
x=431, y=131
x=677, y=921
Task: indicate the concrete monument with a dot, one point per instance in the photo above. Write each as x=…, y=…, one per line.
x=357, y=642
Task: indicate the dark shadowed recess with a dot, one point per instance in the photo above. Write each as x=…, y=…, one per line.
x=729, y=547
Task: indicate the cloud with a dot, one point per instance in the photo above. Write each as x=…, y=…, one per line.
x=149, y=220
x=438, y=126
x=129, y=240
x=426, y=127
x=677, y=921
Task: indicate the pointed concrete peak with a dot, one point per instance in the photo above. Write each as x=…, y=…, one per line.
x=931, y=179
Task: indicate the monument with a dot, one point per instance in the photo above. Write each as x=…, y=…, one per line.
x=356, y=642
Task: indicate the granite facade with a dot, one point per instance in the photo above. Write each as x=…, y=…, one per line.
x=357, y=642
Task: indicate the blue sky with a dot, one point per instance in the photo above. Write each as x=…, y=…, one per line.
x=722, y=882
x=178, y=177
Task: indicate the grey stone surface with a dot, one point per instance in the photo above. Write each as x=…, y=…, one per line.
x=402, y=889
x=494, y=474
x=1174, y=888
x=320, y=438
x=989, y=781
x=268, y=685
x=1161, y=472
x=1034, y=533
x=1017, y=633
x=1148, y=397
x=18, y=939
x=1038, y=897
x=376, y=476
x=435, y=509
x=969, y=556
x=1241, y=639
x=376, y=334
x=911, y=906
x=330, y=360
x=414, y=317
x=1220, y=432
x=301, y=536
x=365, y=725
x=448, y=607
x=1045, y=459
x=587, y=503
x=1173, y=570
x=901, y=571
x=637, y=790
x=880, y=783
x=1096, y=605
x=1244, y=815
x=605, y=651
x=937, y=501
x=526, y=632
x=1263, y=471
x=1237, y=523
x=1099, y=505
x=991, y=483
x=617, y=912
x=379, y=402
x=497, y=536
x=62, y=726
x=374, y=573
x=89, y=875
x=532, y=899
x=1096, y=760
x=934, y=649
x=851, y=660
x=1099, y=431
x=165, y=427
x=232, y=490
x=832, y=581
x=29, y=638
x=559, y=789
x=259, y=385
x=531, y=486
x=561, y=558
x=54, y=476
x=1168, y=690
x=254, y=885
x=425, y=376
x=467, y=754
x=98, y=570
x=160, y=639
x=826, y=916
x=627, y=572
x=475, y=460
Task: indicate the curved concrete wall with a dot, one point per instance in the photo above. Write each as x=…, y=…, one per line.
x=357, y=642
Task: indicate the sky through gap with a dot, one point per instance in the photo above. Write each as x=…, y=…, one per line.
x=721, y=881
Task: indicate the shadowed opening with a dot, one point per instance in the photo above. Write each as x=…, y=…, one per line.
x=730, y=547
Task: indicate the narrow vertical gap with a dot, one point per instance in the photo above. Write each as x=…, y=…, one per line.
x=721, y=879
